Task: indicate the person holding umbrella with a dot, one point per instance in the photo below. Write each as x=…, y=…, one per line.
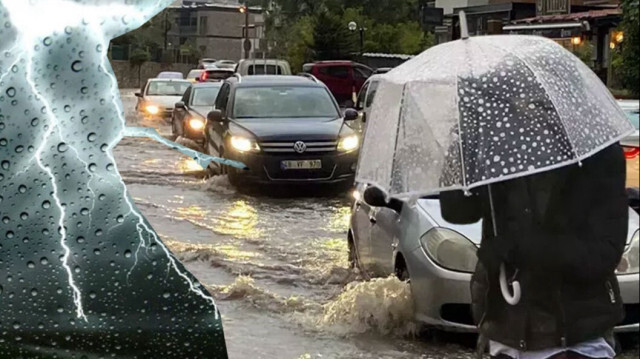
x=516, y=131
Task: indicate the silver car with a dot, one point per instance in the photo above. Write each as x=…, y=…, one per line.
x=414, y=242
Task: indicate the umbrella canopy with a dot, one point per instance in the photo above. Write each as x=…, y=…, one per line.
x=486, y=109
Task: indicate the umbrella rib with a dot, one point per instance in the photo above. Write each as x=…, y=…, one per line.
x=395, y=147
x=555, y=107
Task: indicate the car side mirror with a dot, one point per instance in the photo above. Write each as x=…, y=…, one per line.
x=138, y=94
x=214, y=116
x=180, y=105
x=350, y=114
x=375, y=197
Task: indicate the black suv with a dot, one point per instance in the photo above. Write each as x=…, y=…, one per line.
x=285, y=129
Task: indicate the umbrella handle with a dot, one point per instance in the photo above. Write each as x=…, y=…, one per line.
x=504, y=288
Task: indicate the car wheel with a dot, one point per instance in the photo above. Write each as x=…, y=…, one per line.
x=352, y=253
x=401, y=271
x=214, y=168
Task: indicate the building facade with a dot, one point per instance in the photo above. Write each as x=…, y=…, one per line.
x=216, y=29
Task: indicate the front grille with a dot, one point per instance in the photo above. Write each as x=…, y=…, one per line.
x=288, y=147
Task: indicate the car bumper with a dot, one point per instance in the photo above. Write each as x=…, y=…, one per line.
x=630, y=298
x=267, y=168
x=196, y=135
x=443, y=297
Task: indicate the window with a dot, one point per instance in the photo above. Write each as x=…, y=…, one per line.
x=167, y=88
x=257, y=69
x=203, y=25
x=223, y=96
x=205, y=96
x=335, y=71
x=361, y=73
x=361, y=96
x=373, y=88
x=283, y=102
x=185, y=97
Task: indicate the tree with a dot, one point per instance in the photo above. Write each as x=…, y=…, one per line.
x=137, y=58
x=630, y=64
x=332, y=38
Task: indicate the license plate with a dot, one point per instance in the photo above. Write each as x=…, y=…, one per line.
x=301, y=165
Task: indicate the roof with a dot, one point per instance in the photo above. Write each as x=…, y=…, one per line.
x=276, y=80
x=576, y=16
x=168, y=80
x=198, y=85
x=388, y=56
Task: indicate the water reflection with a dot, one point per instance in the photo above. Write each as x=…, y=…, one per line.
x=187, y=164
x=240, y=220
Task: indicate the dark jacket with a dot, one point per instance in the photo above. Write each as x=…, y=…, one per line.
x=564, y=231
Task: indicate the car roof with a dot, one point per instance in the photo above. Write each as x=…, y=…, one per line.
x=253, y=80
x=168, y=80
x=206, y=84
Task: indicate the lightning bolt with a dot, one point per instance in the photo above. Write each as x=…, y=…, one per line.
x=77, y=296
x=145, y=233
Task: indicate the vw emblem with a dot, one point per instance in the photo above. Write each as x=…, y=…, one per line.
x=300, y=147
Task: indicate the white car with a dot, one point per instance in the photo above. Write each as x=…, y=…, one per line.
x=159, y=96
x=413, y=241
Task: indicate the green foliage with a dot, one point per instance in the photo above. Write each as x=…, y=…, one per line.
x=332, y=38
x=138, y=57
x=630, y=51
x=585, y=52
x=294, y=27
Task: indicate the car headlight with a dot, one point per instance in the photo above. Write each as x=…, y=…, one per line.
x=244, y=144
x=152, y=109
x=196, y=124
x=630, y=264
x=349, y=143
x=450, y=250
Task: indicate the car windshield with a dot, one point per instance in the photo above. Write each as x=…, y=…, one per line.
x=264, y=69
x=283, y=102
x=194, y=74
x=204, y=96
x=167, y=88
x=170, y=75
x=633, y=116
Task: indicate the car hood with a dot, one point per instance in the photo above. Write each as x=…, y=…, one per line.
x=163, y=101
x=473, y=232
x=299, y=129
x=201, y=110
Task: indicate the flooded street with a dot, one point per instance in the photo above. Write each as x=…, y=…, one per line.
x=276, y=264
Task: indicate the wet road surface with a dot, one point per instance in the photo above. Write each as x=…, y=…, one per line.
x=276, y=263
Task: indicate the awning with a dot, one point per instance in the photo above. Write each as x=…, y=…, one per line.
x=557, y=25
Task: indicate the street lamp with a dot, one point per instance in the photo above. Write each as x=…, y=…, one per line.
x=353, y=26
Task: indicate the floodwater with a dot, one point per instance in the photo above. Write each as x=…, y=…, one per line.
x=276, y=264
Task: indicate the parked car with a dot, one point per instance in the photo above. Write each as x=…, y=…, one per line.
x=263, y=67
x=415, y=243
x=190, y=114
x=343, y=78
x=631, y=143
x=215, y=74
x=170, y=75
x=286, y=129
x=157, y=97
x=225, y=64
x=204, y=63
x=194, y=75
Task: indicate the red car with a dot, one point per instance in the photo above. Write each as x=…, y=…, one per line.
x=343, y=78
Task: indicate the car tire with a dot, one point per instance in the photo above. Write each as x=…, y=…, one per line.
x=213, y=169
x=352, y=253
x=403, y=273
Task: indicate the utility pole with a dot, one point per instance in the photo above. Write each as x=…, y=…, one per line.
x=246, y=43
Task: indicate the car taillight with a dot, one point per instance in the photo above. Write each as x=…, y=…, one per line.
x=204, y=76
x=631, y=152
